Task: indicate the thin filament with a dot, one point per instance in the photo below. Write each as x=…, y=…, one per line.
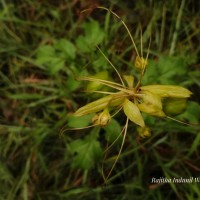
x=111, y=65
x=124, y=26
x=125, y=132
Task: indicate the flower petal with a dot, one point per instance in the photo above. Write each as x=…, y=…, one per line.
x=151, y=104
x=94, y=106
x=130, y=80
x=100, y=104
x=133, y=113
x=171, y=91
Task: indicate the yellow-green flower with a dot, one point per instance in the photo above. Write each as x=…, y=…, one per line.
x=155, y=100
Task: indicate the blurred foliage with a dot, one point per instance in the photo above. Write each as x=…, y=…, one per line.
x=44, y=46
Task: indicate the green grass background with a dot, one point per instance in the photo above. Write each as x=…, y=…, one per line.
x=44, y=45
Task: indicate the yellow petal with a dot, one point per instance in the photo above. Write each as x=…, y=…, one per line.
x=94, y=106
x=130, y=80
x=133, y=113
x=167, y=91
x=151, y=104
x=100, y=104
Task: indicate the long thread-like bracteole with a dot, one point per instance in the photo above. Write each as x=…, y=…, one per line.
x=112, y=66
x=124, y=137
x=124, y=26
x=110, y=84
x=182, y=122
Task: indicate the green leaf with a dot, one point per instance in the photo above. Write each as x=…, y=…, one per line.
x=67, y=48
x=82, y=44
x=192, y=113
x=93, y=32
x=46, y=56
x=45, y=51
x=113, y=132
x=93, y=36
x=86, y=151
x=55, y=65
x=166, y=70
x=100, y=63
x=169, y=67
x=72, y=84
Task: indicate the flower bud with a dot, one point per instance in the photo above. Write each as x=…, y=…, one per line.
x=144, y=132
x=140, y=63
x=95, y=119
x=174, y=106
x=102, y=119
